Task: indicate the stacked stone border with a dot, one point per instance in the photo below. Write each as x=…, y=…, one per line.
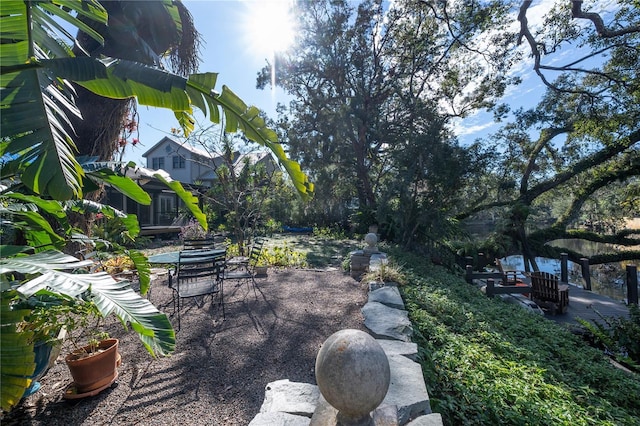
x=289, y=403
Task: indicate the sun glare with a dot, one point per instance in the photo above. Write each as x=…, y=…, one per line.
x=270, y=26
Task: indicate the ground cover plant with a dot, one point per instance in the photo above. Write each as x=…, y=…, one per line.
x=319, y=251
x=619, y=337
x=488, y=362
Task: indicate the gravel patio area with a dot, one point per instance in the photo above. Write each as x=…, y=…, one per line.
x=220, y=368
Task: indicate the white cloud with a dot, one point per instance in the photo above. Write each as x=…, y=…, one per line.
x=477, y=125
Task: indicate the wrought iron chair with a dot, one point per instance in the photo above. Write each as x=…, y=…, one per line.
x=243, y=261
x=199, y=273
x=243, y=267
x=200, y=244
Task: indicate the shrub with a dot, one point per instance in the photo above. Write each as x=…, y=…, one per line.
x=192, y=231
x=283, y=256
x=118, y=264
x=619, y=337
x=489, y=362
x=280, y=256
x=329, y=233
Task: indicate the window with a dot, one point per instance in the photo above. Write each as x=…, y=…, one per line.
x=166, y=212
x=178, y=162
x=157, y=163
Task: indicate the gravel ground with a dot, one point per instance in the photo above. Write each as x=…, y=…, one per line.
x=220, y=368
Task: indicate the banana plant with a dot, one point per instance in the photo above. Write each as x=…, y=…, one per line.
x=39, y=78
x=16, y=350
x=46, y=269
x=37, y=99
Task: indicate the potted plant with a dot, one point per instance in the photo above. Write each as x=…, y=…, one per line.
x=47, y=334
x=95, y=295
x=92, y=362
x=55, y=318
x=93, y=366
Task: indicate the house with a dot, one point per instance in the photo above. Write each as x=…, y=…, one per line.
x=193, y=167
x=182, y=161
x=255, y=158
x=163, y=214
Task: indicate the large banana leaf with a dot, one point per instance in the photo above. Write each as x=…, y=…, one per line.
x=110, y=296
x=36, y=99
x=16, y=352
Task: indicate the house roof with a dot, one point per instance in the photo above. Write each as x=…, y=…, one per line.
x=253, y=158
x=178, y=145
x=144, y=176
x=239, y=164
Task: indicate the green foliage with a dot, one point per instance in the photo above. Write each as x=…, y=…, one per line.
x=41, y=78
x=117, y=264
x=348, y=121
x=50, y=312
x=619, y=337
x=282, y=255
x=346, y=264
x=16, y=349
x=488, y=362
x=559, y=164
x=114, y=229
x=329, y=232
x=271, y=226
x=36, y=130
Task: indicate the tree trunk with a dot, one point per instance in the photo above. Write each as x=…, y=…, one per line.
x=365, y=191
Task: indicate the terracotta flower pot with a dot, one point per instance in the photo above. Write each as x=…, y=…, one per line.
x=97, y=370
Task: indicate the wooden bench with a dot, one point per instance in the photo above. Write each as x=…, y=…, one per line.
x=509, y=277
x=548, y=293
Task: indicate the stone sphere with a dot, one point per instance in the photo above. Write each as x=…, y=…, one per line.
x=371, y=239
x=352, y=372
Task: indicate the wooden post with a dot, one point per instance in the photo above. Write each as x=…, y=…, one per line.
x=632, y=284
x=585, y=273
x=490, y=286
x=469, y=271
x=564, y=270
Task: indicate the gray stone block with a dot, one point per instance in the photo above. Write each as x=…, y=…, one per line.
x=407, y=390
x=326, y=415
x=433, y=419
x=387, y=323
x=396, y=347
x=387, y=295
x=290, y=397
x=279, y=419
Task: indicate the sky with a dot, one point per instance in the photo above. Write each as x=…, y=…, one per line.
x=234, y=37
x=237, y=37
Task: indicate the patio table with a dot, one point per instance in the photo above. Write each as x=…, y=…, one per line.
x=172, y=258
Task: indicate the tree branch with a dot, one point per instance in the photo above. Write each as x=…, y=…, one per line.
x=598, y=23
